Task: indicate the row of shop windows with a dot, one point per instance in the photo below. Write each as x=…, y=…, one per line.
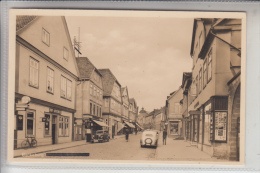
x=30, y=124
x=95, y=110
x=213, y=125
x=66, y=84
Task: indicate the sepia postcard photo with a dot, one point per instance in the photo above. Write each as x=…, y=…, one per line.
x=126, y=86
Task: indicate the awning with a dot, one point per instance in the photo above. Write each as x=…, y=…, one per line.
x=100, y=123
x=130, y=125
x=139, y=126
x=120, y=126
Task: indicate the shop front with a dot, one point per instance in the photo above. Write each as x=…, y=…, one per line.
x=91, y=126
x=47, y=125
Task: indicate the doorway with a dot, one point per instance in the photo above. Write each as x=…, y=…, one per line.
x=53, y=133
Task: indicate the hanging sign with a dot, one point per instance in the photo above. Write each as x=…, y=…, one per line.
x=220, y=126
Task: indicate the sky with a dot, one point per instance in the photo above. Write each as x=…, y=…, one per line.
x=148, y=55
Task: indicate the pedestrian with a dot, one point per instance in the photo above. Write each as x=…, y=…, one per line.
x=164, y=136
x=126, y=134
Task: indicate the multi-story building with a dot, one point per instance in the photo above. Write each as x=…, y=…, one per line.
x=88, y=117
x=125, y=104
x=213, y=97
x=133, y=110
x=186, y=83
x=141, y=117
x=159, y=119
x=46, y=75
x=173, y=111
x=112, y=101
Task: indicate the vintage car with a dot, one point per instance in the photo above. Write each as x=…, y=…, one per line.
x=100, y=136
x=149, y=138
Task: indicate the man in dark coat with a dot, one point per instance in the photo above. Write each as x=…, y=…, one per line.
x=126, y=134
x=164, y=136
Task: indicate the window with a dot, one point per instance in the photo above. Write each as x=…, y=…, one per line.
x=101, y=95
x=63, y=126
x=91, y=89
x=97, y=111
x=65, y=53
x=94, y=91
x=97, y=93
x=200, y=80
x=34, y=73
x=94, y=110
x=50, y=75
x=100, y=113
x=45, y=37
x=30, y=124
x=66, y=90
x=47, y=125
x=205, y=73
x=90, y=107
x=210, y=65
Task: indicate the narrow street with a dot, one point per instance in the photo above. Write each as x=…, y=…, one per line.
x=119, y=149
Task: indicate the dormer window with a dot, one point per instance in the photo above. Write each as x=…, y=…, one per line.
x=65, y=54
x=45, y=37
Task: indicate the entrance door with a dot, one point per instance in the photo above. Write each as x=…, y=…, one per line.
x=53, y=133
x=113, y=131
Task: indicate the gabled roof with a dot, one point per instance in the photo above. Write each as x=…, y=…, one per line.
x=86, y=68
x=23, y=21
x=132, y=101
x=108, y=80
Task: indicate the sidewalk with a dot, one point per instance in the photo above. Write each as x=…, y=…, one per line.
x=47, y=148
x=55, y=147
x=181, y=150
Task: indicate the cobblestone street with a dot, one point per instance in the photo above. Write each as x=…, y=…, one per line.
x=119, y=149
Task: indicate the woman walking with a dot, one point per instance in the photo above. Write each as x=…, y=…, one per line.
x=126, y=134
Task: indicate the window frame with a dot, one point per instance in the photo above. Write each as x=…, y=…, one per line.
x=52, y=77
x=66, y=80
x=43, y=38
x=47, y=135
x=34, y=123
x=38, y=72
x=63, y=125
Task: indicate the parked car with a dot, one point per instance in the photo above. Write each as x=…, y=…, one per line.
x=100, y=136
x=149, y=138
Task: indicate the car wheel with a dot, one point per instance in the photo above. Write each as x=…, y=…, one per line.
x=142, y=146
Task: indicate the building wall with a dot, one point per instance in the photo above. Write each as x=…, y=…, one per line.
x=41, y=92
x=59, y=39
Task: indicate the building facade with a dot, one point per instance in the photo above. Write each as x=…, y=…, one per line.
x=112, y=102
x=216, y=51
x=46, y=72
x=174, y=116
x=141, y=117
x=88, y=117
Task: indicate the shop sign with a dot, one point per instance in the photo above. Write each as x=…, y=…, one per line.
x=55, y=111
x=220, y=126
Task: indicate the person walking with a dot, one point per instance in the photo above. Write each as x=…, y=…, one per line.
x=126, y=134
x=164, y=136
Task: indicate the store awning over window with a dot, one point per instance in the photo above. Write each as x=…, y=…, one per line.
x=130, y=125
x=100, y=123
x=120, y=126
x=139, y=126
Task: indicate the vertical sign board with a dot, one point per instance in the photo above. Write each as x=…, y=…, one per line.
x=220, y=126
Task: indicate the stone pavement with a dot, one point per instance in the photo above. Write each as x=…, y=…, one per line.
x=50, y=148
x=180, y=150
